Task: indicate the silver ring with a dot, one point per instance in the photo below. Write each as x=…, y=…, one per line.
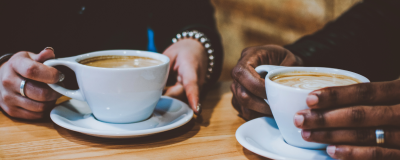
x=22, y=87
x=380, y=136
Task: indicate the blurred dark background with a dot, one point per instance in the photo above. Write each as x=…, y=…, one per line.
x=244, y=23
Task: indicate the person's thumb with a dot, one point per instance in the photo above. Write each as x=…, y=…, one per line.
x=47, y=53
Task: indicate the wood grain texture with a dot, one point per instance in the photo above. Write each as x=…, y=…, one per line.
x=210, y=136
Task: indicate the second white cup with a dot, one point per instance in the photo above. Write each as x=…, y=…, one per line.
x=285, y=101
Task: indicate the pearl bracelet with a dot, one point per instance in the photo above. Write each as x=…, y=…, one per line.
x=204, y=41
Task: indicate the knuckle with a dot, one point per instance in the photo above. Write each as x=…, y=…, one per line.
x=244, y=97
x=318, y=118
x=7, y=81
x=327, y=135
x=31, y=71
x=332, y=93
x=237, y=71
x=364, y=135
x=364, y=93
x=7, y=98
x=321, y=135
x=357, y=115
x=376, y=153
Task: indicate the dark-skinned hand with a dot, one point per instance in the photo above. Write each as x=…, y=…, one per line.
x=248, y=86
x=347, y=116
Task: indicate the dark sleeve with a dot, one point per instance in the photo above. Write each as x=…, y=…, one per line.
x=363, y=40
x=170, y=17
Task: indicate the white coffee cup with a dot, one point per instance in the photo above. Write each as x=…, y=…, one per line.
x=116, y=95
x=285, y=101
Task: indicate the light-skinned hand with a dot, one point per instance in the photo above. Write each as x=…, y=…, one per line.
x=189, y=62
x=39, y=96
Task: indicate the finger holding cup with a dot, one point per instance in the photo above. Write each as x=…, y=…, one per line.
x=248, y=86
x=363, y=114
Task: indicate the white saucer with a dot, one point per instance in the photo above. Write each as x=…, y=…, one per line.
x=76, y=115
x=262, y=137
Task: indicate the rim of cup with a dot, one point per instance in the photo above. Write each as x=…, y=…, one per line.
x=122, y=52
x=281, y=70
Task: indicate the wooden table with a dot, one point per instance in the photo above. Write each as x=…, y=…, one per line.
x=209, y=136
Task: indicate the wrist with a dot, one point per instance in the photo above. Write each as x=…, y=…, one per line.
x=206, y=45
x=192, y=43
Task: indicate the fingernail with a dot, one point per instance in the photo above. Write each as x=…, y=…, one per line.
x=306, y=111
x=198, y=108
x=306, y=134
x=61, y=77
x=51, y=48
x=312, y=98
x=298, y=120
x=179, y=79
x=331, y=151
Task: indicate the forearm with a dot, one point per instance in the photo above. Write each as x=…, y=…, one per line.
x=176, y=16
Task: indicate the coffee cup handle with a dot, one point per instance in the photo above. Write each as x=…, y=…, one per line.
x=264, y=69
x=75, y=94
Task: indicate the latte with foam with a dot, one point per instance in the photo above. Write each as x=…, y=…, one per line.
x=116, y=61
x=313, y=80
